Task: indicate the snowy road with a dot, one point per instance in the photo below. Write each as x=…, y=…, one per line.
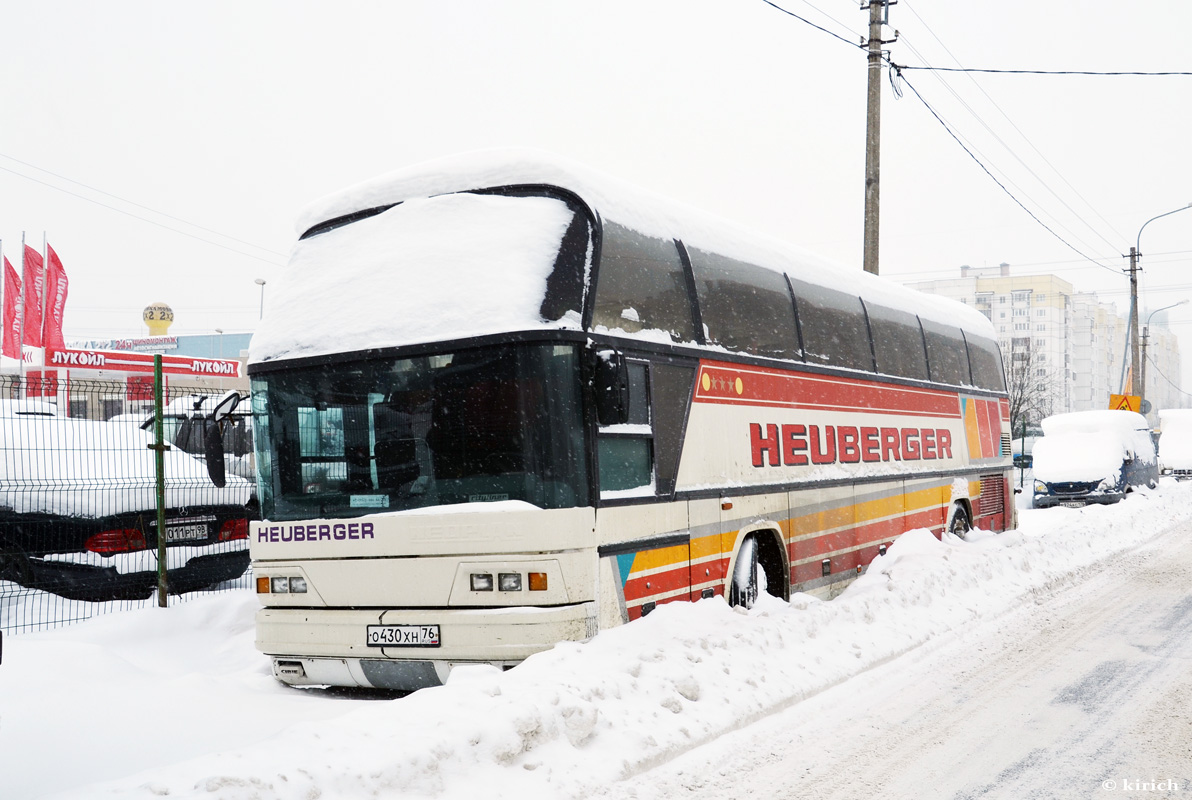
x=1043, y=662
x=1086, y=692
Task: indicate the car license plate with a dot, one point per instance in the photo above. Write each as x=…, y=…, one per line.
x=186, y=533
x=1072, y=504
x=402, y=636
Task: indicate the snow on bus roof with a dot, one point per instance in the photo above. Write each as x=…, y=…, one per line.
x=315, y=289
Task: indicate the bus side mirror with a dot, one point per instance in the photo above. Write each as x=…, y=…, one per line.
x=213, y=452
x=610, y=384
x=225, y=405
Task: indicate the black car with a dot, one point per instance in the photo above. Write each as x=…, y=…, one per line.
x=78, y=510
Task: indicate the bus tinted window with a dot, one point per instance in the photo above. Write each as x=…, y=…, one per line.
x=947, y=355
x=640, y=285
x=480, y=425
x=833, y=326
x=985, y=359
x=897, y=342
x=565, y=285
x=744, y=307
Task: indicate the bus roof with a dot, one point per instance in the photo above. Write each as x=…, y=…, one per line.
x=293, y=326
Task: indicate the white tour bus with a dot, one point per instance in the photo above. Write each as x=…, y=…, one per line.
x=502, y=402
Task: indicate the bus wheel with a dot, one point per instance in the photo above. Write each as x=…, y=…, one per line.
x=959, y=527
x=746, y=580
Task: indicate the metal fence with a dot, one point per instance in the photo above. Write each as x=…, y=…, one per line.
x=79, y=530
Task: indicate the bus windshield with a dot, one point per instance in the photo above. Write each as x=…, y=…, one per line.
x=481, y=425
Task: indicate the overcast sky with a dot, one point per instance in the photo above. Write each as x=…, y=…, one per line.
x=165, y=149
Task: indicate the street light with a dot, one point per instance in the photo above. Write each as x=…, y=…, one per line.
x=261, y=282
x=1135, y=254
x=1145, y=333
x=220, y=332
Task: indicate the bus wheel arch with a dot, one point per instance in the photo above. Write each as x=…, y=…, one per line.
x=960, y=519
x=759, y=554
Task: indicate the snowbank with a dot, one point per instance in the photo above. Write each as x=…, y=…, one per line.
x=1175, y=442
x=567, y=723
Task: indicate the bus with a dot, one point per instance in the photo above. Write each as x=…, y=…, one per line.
x=502, y=401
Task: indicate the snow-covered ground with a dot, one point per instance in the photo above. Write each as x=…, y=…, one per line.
x=177, y=703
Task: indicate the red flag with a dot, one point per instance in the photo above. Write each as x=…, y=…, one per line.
x=34, y=285
x=12, y=291
x=56, y=287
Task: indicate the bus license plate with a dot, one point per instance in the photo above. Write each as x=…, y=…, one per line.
x=402, y=636
x=186, y=533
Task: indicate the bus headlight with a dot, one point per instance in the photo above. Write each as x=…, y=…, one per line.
x=280, y=585
x=482, y=582
x=510, y=581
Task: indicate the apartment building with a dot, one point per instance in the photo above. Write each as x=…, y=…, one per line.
x=1073, y=346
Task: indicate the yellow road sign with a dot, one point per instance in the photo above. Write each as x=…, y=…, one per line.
x=1125, y=402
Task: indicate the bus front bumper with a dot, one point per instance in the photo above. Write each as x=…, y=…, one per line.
x=328, y=647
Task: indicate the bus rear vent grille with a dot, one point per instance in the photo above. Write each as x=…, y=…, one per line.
x=993, y=495
x=1005, y=445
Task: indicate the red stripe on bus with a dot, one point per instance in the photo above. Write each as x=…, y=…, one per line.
x=758, y=386
x=659, y=583
x=872, y=533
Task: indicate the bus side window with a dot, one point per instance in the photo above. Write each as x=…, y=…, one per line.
x=947, y=355
x=745, y=307
x=897, y=342
x=833, y=326
x=985, y=360
x=626, y=452
x=640, y=285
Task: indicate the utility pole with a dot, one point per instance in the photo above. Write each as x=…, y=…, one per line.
x=1142, y=378
x=879, y=14
x=1135, y=364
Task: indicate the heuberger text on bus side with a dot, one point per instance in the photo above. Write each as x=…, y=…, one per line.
x=502, y=402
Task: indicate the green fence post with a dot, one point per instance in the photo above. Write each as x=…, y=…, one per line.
x=160, y=447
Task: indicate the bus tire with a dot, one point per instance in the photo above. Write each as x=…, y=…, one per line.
x=959, y=526
x=744, y=587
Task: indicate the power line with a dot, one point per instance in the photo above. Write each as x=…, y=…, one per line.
x=992, y=177
x=812, y=24
x=1171, y=383
x=1048, y=72
x=829, y=16
x=138, y=216
x=1020, y=132
x=1005, y=175
x=896, y=71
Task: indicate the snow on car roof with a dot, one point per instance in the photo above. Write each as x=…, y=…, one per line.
x=20, y=408
x=1098, y=421
x=87, y=468
x=345, y=290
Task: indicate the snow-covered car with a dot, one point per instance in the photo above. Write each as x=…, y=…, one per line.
x=1092, y=457
x=1175, y=442
x=78, y=510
